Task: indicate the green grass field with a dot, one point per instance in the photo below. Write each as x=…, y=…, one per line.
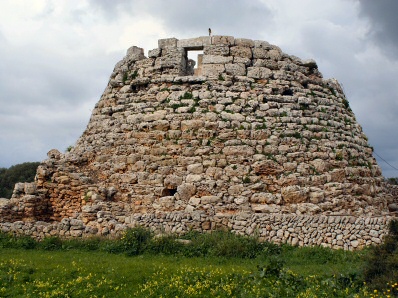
x=162, y=268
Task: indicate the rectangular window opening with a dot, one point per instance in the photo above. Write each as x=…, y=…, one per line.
x=194, y=65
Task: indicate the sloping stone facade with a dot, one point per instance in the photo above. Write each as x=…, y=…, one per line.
x=250, y=132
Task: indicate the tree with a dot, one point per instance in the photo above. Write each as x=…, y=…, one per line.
x=24, y=172
x=393, y=181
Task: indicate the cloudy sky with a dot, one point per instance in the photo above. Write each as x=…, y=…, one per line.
x=56, y=57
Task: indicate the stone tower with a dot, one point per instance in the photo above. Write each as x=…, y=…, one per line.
x=251, y=130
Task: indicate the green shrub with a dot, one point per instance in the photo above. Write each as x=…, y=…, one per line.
x=382, y=263
x=50, y=243
x=165, y=244
x=346, y=104
x=187, y=95
x=223, y=244
x=134, y=241
x=88, y=244
x=112, y=246
x=134, y=75
x=5, y=240
x=25, y=242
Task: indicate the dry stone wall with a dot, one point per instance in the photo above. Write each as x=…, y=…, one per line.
x=251, y=132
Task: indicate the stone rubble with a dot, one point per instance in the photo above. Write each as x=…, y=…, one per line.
x=252, y=140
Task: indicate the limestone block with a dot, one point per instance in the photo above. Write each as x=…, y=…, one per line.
x=233, y=116
x=157, y=115
x=337, y=175
x=189, y=208
x=240, y=200
x=374, y=233
x=258, y=72
x=245, y=62
x=262, y=208
x=135, y=53
x=185, y=191
x=260, y=53
x=209, y=200
x=240, y=51
x=172, y=181
x=295, y=194
x=30, y=188
x=134, y=119
x=194, y=43
x=54, y=154
x=167, y=43
x=266, y=167
x=76, y=233
x=213, y=70
x=354, y=243
x=194, y=201
x=235, y=190
x=172, y=58
x=193, y=178
x=267, y=198
x=221, y=39
x=211, y=59
x=310, y=63
x=316, y=195
x=167, y=202
x=4, y=202
x=196, y=168
x=244, y=42
x=262, y=44
x=218, y=50
x=320, y=165
x=308, y=208
x=154, y=53
x=162, y=125
x=76, y=224
x=236, y=69
x=275, y=54
x=243, y=150
x=233, y=108
x=191, y=124
x=304, y=100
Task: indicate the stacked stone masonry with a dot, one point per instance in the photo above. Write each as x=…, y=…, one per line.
x=251, y=133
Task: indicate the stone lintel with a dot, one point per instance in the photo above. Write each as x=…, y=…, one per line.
x=167, y=43
x=197, y=43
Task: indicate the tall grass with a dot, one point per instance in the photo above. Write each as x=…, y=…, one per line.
x=221, y=264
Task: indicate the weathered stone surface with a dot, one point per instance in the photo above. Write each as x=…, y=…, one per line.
x=211, y=59
x=135, y=53
x=221, y=39
x=294, y=194
x=194, y=43
x=241, y=51
x=167, y=43
x=213, y=70
x=258, y=72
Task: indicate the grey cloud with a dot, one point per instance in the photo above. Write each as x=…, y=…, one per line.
x=46, y=99
x=383, y=17
x=194, y=17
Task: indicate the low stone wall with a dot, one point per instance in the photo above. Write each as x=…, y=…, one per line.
x=337, y=232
